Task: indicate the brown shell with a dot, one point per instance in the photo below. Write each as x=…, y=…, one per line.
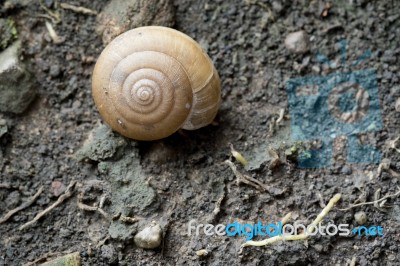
x=151, y=81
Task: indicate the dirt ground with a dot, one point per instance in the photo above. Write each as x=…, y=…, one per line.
x=182, y=177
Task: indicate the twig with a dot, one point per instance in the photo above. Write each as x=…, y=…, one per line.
x=302, y=236
x=99, y=208
x=22, y=206
x=56, y=39
x=372, y=202
x=127, y=219
x=321, y=200
x=78, y=9
x=281, y=115
x=264, y=242
x=240, y=178
x=377, y=195
x=325, y=211
x=393, y=144
x=286, y=218
x=217, y=209
x=238, y=156
x=272, y=126
x=86, y=207
x=54, y=15
x=102, y=242
x=68, y=193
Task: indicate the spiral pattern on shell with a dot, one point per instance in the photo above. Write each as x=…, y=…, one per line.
x=151, y=81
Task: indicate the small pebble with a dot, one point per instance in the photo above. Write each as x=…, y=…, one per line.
x=150, y=237
x=298, y=42
x=277, y=7
x=346, y=170
x=360, y=217
x=57, y=188
x=202, y=252
x=397, y=105
x=55, y=71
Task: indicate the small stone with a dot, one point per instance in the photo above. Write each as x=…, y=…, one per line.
x=316, y=69
x=57, y=188
x=65, y=233
x=55, y=71
x=397, y=105
x=202, y=252
x=150, y=237
x=16, y=85
x=109, y=254
x=277, y=7
x=298, y=42
x=318, y=247
x=360, y=217
x=346, y=170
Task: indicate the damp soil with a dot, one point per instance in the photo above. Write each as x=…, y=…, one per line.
x=181, y=178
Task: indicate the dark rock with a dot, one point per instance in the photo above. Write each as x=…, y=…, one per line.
x=16, y=84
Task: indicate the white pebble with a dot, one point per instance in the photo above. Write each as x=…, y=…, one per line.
x=150, y=237
x=298, y=42
x=360, y=217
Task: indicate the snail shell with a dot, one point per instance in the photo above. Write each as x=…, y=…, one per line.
x=151, y=81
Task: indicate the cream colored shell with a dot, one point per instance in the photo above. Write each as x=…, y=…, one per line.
x=151, y=81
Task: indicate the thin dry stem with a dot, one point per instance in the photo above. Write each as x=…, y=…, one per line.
x=372, y=202
x=78, y=9
x=22, y=206
x=240, y=178
x=68, y=193
x=303, y=236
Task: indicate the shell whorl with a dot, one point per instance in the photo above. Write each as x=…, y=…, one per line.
x=151, y=81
